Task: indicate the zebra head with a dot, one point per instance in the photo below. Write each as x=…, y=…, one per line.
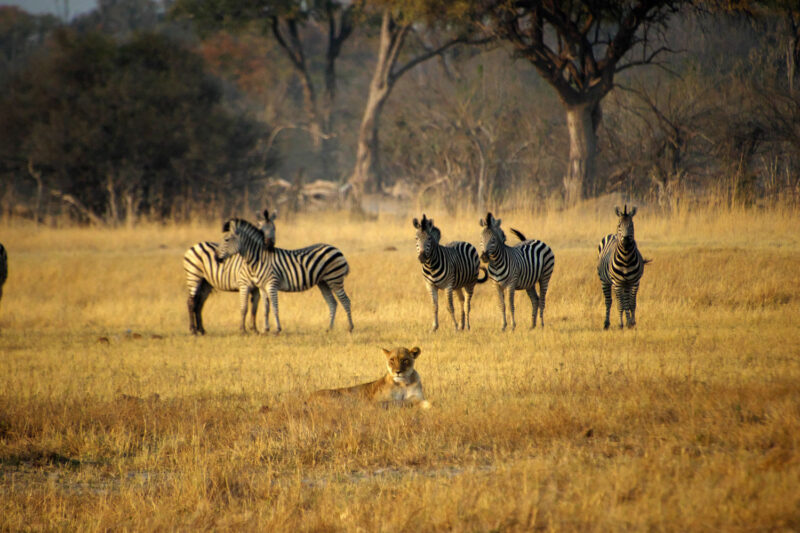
x=625, y=225
x=268, y=228
x=428, y=237
x=492, y=237
x=240, y=237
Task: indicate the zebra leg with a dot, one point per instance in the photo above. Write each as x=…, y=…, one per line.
x=632, y=305
x=619, y=292
x=265, y=296
x=607, y=299
x=338, y=290
x=244, y=295
x=195, y=304
x=328, y=295
x=534, y=305
x=254, y=298
x=460, y=293
x=511, y=291
x=501, y=305
x=542, y=292
x=435, y=298
x=273, y=295
x=468, y=290
x=450, y=307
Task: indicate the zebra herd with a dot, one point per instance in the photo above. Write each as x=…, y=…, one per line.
x=248, y=261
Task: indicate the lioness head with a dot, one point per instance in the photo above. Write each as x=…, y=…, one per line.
x=400, y=362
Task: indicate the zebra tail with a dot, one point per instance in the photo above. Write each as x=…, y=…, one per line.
x=519, y=235
x=646, y=261
x=485, y=276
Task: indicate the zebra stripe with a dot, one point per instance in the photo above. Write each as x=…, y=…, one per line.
x=620, y=267
x=275, y=269
x=3, y=268
x=452, y=267
x=205, y=272
x=516, y=268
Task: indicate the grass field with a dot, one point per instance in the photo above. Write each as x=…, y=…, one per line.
x=690, y=421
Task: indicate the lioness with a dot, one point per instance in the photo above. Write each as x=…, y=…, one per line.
x=400, y=386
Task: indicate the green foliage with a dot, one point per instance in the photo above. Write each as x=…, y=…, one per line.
x=140, y=120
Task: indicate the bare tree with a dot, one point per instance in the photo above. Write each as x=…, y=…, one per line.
x=578, y=48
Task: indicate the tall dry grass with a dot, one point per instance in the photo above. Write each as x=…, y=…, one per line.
x=689, y=422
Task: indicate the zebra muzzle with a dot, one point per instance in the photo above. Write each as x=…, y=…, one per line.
x=484, y=257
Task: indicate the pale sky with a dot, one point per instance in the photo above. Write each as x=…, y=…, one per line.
x=54, y=7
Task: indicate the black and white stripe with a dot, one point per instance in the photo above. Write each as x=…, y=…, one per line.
x=275, y=269
x=3, y=268
x=452, y=267
x=516, y=268
x=620, y=267
x=204, y=272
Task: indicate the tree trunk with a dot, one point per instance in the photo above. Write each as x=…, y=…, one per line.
x=367, y=172
x=579, y=181
x=367, y=175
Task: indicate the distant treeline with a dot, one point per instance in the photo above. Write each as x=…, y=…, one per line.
x=139, y=110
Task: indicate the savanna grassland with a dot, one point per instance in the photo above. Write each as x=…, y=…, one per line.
x=113, y=417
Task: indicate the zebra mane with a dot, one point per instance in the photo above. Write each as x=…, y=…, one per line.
x=247, y=233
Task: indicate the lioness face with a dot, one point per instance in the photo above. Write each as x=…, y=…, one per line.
x=400, y=362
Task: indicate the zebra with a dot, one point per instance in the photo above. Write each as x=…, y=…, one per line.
x=620, y=266
x=454, y=266
x=516, y=268
x=204, y=272
x=3, y=268
x=275, y=269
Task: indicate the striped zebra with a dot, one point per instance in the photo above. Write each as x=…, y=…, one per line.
x=620, y=266
x=516, y=268
x=3, y=268
x=452, y=267
x=204, y=272
x=275, y=269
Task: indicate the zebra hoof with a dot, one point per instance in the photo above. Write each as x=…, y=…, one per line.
x=606, y=325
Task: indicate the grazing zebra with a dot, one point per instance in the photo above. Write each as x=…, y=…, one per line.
x=454, y=266
x=516, y=268
x=3, y=268
x=620, y=266
x=205, y=272
x=275, y=269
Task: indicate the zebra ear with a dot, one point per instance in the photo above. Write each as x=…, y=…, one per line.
x=633, y=211
x=416, y=223
x=617, y=211
x=482, y=222
x=497, y=222
x=226, y=226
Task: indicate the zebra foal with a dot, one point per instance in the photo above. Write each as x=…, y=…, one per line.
x=452, y=267
x=516, y=268
x=620, y=267
x=274, y=269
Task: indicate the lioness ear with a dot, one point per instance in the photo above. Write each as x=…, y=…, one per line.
x=386, y=352
x=415, y=351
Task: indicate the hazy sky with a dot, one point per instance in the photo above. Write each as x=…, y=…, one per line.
x=55, y=7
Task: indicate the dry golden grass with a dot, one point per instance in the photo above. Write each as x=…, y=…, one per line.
x=689, y=422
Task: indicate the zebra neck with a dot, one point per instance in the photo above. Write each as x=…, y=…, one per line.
x=500, y=257
x=436, y=258
x=253, y=255
x=625, y=251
